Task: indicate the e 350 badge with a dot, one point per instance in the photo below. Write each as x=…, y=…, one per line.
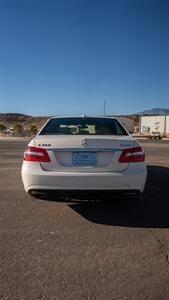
x=44, y=145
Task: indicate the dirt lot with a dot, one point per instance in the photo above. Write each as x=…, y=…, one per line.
x=115, y=249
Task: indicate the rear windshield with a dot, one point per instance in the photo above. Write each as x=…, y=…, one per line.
x=87, y=126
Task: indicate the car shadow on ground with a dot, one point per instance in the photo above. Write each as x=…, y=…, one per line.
x=151, y=210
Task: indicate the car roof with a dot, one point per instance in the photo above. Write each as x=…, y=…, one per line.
x=83, y=116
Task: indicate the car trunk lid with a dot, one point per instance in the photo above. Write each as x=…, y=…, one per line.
x=83, y=153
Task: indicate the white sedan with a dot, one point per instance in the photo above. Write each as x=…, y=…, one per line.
x=83, y=154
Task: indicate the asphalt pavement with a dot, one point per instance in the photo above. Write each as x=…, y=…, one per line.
x=74, y=249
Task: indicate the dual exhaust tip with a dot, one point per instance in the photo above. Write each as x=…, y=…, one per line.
x=38, y=194
x=44, y=194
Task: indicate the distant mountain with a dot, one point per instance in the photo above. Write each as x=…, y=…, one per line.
x=9, y=119
x=13, y=117
x=154, y=111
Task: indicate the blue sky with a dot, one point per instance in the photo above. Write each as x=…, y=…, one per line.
x=68, y=56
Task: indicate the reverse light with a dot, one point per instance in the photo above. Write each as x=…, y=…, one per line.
x=36, y=154
x=132, y=155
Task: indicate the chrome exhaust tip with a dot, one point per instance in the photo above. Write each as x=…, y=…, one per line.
x=38, y=194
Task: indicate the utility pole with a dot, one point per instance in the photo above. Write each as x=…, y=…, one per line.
x=104, y=108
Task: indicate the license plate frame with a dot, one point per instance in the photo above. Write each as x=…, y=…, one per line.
x=84, y=158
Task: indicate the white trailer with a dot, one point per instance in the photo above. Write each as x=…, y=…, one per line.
x=155, y=127
x=167, y=125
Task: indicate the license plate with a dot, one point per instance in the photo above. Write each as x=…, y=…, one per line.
x=84, y=158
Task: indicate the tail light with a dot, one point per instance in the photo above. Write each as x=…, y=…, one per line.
x=132, y=155
x=36, y=154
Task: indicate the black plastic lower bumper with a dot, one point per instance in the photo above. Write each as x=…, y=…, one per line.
x=83, y=194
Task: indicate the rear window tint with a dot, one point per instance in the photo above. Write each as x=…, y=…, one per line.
x=79, y=126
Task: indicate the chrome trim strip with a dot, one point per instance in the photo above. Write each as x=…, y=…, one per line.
x=83, y=149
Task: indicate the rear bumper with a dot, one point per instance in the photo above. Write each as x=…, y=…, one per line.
x=34, y=178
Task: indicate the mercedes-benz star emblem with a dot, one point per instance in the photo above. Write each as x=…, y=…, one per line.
x=84, y=143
